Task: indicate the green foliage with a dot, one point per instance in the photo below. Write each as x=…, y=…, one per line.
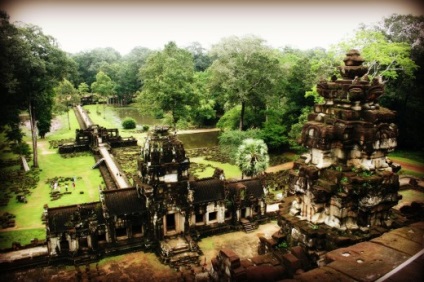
x=252, y=157
x=167, y=82
x=89, y=63
x=383, y=57
x=33, y=67
x=231, y=119
x=283, y=245
x=201, y=60
x=83, y=88
x=245, y=72
x=230, y=140
x=129, y=123
x=103, y=84
x=146, y=128
x=202, y=111
x=296, y=129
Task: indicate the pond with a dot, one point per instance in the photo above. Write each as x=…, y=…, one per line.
x=199, y=139
x=190, y=140
x=136, y=114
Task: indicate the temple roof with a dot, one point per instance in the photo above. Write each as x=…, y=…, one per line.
x=124, y=201
x=208, y=190
x=59, y=219
x=254, y=187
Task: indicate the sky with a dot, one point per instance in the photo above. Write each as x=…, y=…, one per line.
x=82, y=25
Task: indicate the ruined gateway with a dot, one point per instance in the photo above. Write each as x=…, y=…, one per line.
x=345, y=181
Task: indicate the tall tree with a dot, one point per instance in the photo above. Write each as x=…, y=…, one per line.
x=128, y=76
x=405, y=94
x=83, y=88
x=245, y=71
x=91, y=62
x=167, y=78
x=103, y=86
x=12, y=54
x=66, y=96
x=201, y=59
x=36, y=66
x=383, y=57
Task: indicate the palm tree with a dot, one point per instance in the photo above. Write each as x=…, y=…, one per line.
x=252, y=157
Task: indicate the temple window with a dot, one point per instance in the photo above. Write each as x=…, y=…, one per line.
x=199, y=218
x=212, y=216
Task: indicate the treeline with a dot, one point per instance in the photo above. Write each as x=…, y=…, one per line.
x=243, y=85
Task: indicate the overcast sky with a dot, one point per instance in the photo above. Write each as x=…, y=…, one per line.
x=83, y=25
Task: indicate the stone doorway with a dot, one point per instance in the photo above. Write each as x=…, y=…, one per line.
x=173, y=224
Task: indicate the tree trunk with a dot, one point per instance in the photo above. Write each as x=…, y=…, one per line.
x=32, y=121
x=243, y=105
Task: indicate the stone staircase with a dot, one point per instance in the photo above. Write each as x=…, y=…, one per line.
x=247, y=225
x=179, y=251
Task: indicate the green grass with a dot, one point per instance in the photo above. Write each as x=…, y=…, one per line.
x=411, y=172
x=231, y=171
x=53, y=165
x=413, y=157
x=28, y=216
x=24, y=237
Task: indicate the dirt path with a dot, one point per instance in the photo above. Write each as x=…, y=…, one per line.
x=279, y=167
x=410, y=166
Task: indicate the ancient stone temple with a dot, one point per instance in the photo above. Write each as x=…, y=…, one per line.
x=346, y=181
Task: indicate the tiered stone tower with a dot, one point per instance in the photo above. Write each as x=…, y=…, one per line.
x=346, y=180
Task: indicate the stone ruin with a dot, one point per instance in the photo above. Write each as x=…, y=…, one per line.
x=345, y=180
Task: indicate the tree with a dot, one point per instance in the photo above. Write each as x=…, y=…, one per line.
x=127, y=74
x=33, y=66
x=167, y=78
x=201, y=59
x=299, y=70
x=66, y=96
x=383, y=57
x=404, y=94
x=90, y=62
x=245, y=71
x=83, y=88
x=103, y=86
x=12, y=100
x=252, y=157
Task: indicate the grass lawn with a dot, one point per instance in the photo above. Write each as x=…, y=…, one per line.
x=413, y=158
x=28, y=215
x=231, y=171
x=23, y=236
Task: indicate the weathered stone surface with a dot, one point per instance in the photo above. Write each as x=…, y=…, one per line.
x=365, y=261
x=299, y=252
x=323, y=274
x=398, y=243
x=291, y=262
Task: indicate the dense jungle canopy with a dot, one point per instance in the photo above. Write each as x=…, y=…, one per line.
x=239, y=85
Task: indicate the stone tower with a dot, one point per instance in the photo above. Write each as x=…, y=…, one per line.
x=163, y=169
x=346, y=180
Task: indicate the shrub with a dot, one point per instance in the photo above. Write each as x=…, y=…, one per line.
x=146, y=127
x=128, y=123
x=230, y=140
